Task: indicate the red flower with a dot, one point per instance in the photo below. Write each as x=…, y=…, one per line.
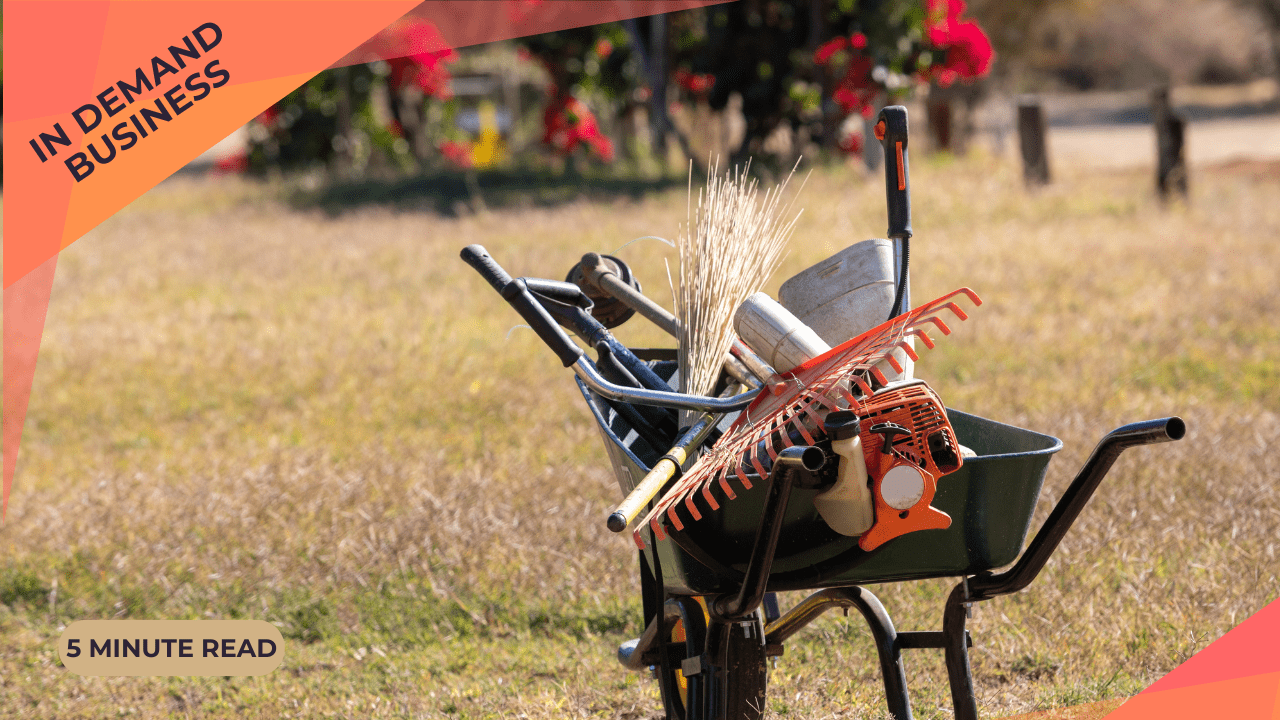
x=568, y=123
x=940, y=16
x=823, y=54
x=604, y=48
x=856, y=91
x=968, y=51
x=423, y=61
x=694, y=83
x=858, y=40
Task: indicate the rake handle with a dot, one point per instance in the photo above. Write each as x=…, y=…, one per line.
x=662, y=471
x=642, y=495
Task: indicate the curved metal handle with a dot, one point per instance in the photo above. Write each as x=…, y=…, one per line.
x=1072, y=502
x=639, y=396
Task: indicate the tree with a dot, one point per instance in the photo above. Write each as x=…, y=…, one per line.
x=776, y=54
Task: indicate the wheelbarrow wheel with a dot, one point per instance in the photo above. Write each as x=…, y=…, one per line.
x=735, y=688
x=688, y=636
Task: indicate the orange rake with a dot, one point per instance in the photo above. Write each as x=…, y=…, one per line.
x=796, y=403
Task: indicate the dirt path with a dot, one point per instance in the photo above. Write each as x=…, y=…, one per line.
x=1209, y=142
x=1112, y=130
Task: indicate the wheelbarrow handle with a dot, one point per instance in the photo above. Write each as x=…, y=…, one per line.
x=516, y=293
x=1023, y=572
x=477, y=257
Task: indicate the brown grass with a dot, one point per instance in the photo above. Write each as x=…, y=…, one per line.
x=247, y=411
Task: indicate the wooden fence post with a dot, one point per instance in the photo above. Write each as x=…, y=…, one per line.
x=1031, y=136
x=1171, y=164
x=939, y=114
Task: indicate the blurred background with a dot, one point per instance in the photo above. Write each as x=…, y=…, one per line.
x=778, y=80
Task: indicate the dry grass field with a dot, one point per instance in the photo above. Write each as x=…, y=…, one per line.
x=249, y=409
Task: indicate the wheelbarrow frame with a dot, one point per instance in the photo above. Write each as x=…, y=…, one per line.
x=716, y=662
x=724, y=660
x=954, y=638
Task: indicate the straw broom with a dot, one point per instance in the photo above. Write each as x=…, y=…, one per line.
x=732, y=244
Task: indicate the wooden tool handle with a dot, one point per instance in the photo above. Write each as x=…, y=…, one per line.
x=643, y=493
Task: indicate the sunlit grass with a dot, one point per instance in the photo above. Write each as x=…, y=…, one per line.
x=329, y=422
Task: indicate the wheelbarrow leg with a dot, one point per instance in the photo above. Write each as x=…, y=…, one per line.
x=887, y=639
x=959, y=675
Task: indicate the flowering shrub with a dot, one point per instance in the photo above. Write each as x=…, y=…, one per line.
x=966, y=49
x=957, y=50
x=568, y=123
x=425, y=66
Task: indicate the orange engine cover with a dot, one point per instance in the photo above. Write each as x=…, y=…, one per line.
x=908, y=443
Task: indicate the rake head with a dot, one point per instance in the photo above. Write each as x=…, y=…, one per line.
x=792, y=410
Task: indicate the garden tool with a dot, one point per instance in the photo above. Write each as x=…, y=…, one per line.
x=793, y=411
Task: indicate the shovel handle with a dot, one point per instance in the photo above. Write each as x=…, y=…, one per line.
x=891, y=131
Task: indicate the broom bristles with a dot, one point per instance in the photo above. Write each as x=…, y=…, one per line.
x=733, y=243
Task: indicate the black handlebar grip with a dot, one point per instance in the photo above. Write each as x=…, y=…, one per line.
x=517, y=294
x=891, y=131
x=477, y=257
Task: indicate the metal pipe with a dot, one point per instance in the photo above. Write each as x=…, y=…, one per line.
x=791, y=461
x=959, y=674
x=882, y=631
x=602, y=276
x=1072, y=502
x=598, y=273
x=640, y=396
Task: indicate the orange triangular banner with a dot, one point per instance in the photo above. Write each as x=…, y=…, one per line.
x=135, y=90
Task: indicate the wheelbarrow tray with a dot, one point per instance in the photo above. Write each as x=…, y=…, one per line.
x=990, y=499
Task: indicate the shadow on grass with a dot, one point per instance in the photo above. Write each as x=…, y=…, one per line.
x=452, y=193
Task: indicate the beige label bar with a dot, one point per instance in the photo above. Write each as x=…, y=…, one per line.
x=171, y=647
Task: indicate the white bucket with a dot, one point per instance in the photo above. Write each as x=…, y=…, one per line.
x=848, y=294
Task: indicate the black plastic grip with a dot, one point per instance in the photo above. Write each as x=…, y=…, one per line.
x=565, y=292
x=891, y=131
x=517, y=294
x=477, y=257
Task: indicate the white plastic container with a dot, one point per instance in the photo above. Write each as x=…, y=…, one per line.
x=848, y=294
x=848, y=506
